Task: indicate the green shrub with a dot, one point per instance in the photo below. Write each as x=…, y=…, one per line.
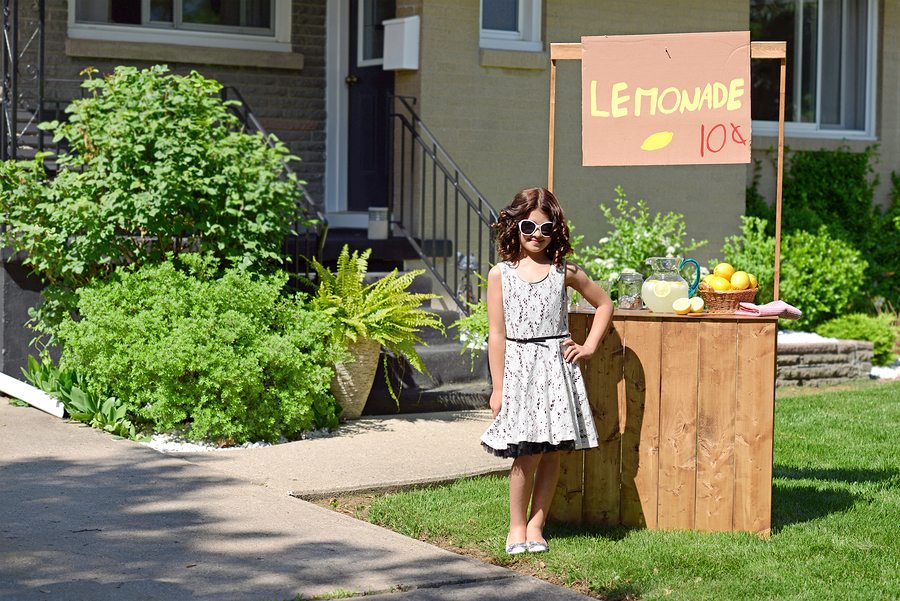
x=633, y=237
x=157, y=165
x=835, y=188
x=226, y=358
x=883, y=247
x=820, y=275
x=830, y=188
x=881, y=330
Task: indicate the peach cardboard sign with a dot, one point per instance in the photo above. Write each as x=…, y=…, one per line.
x=672, y=99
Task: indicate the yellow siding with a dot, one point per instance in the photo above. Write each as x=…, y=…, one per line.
x=490, y=109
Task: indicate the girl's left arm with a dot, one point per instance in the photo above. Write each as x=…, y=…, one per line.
x=594, y=294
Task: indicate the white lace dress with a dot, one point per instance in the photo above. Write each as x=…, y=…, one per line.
x=545, y=406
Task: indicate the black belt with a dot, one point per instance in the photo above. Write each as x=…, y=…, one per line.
x=540, y=339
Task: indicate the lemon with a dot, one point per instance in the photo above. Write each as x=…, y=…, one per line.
x=658, y=140
x=706, y=279
x=720, y=284
x=753, y=282
x=682, y=305
x=696, y=304
x=724, y=270
x=740, y=280
x=661, y=289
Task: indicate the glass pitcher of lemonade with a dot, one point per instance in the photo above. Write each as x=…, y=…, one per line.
x=665, y=284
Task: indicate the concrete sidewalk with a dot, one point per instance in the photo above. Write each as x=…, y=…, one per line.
x=88, y=517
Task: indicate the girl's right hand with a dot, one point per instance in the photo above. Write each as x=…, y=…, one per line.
x=496, y=402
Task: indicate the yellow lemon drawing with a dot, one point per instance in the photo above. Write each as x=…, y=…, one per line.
x=657, y=141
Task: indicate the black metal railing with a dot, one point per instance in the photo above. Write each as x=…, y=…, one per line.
x=22, y=85
x=309, y=224
x=435, y=206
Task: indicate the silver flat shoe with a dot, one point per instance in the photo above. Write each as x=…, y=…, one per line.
x=515, y=548
x=537, y=546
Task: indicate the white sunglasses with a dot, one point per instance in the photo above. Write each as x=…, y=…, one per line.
x=527, y=227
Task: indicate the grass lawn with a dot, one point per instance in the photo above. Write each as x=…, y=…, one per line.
x=835, y=519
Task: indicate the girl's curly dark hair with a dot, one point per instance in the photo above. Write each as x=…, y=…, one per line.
x=523, y=203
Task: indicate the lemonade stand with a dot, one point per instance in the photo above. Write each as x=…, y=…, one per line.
x=683, y=404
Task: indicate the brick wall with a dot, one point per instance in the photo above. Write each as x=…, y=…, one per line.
x=290, y=102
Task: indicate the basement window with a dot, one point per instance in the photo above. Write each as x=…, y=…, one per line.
x=511, y=25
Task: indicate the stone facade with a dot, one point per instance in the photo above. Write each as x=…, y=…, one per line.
x=823, y=363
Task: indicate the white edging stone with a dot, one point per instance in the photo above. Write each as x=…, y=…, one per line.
x=31, y=395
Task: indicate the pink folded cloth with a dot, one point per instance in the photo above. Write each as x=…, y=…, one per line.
x=774, y=309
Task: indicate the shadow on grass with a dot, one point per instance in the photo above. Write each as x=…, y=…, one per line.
x=616, y=590
x=614, y=533
x=796, y=503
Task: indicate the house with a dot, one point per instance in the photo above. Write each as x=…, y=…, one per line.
x=313, y=73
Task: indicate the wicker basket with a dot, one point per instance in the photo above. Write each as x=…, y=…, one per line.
x=725, y=302
x=352, y=381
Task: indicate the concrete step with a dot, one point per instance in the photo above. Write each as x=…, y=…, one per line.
x=452, y=371
x=447, y=363
x=386, y=254
x=433, y=337
x=422, y=283
x=448, y=397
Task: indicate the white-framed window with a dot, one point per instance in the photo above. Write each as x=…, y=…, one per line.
x=241, y=24
x=830, y=76
x=511, y=25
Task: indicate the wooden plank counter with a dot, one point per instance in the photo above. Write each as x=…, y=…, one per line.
x=684, y=409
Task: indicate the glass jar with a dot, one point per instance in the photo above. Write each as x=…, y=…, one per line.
x=630, y=291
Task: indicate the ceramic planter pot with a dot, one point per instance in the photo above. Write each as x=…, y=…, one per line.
x=352, y=381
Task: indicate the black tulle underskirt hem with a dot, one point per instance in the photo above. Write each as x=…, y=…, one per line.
x=529, y=448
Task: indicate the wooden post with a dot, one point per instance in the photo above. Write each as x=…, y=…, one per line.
x=552, y=119
x=780, y=178
x=776, y=50
x=557, y=52
x=770, y=50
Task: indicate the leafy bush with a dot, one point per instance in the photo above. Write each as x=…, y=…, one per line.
x=634, y=236
x=820, y=275
x=830, y=188
x=473, y=329
x=880, y=329
x=227, y=358
x=835, y=188
x=883, y=247
x=158, y=165
x=79, y=402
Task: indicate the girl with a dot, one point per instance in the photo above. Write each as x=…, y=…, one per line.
x=539, y=401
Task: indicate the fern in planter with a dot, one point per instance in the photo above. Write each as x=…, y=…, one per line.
x=382, y=311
